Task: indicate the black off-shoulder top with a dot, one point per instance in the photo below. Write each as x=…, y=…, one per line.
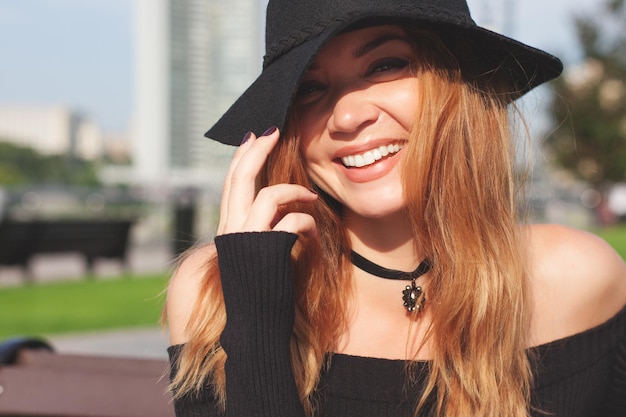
x=583, y=375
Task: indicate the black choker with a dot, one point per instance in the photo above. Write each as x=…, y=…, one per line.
x=413, y=295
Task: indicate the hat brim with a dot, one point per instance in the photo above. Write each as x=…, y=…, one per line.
x=266, y=102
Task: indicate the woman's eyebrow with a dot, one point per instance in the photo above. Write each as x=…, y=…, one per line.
x=376, y=42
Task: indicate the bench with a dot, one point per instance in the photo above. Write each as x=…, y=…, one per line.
x=21, y=240
x=37, y=382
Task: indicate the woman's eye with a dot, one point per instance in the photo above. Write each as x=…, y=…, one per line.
x=387, y=66
x=308, y=88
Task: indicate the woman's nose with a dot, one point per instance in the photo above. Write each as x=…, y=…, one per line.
x=352, y=111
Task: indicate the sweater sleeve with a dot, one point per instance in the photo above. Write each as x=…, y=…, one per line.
x=255, y=269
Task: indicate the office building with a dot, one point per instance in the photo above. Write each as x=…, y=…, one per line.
x=51, y=130
x=193, y=59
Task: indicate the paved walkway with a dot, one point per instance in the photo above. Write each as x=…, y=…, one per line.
x=137, y=343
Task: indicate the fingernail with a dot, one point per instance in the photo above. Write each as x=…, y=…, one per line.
x=269, y=131
x=246, y=137
x=313, y=191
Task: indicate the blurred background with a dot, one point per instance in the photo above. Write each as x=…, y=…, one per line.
x=103, y=107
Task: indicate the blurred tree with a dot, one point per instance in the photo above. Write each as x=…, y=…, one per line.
x=21, y=165
x=589, y=104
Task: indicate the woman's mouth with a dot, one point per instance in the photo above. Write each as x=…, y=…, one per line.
x=370, y=157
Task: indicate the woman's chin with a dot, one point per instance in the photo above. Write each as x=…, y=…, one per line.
x=376, y=207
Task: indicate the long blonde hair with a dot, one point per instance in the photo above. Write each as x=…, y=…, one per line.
x=460, y=152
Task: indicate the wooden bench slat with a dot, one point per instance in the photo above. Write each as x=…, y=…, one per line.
x=43, y=392
x=37, y=358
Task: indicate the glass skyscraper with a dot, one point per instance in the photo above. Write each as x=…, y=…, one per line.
x=193, y=59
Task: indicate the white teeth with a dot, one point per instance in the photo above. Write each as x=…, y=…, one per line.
x=370, y=157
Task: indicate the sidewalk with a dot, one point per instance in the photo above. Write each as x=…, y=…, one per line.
x=136, y=343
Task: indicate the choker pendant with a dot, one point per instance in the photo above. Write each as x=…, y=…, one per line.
x=413, y=296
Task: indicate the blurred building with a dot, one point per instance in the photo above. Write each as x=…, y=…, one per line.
x=51, y=130
x=193, y=58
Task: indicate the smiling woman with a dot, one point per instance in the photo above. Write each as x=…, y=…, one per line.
x=369, y=260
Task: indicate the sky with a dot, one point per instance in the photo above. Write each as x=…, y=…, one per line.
x=79, y=53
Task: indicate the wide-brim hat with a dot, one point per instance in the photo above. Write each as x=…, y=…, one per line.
x=297, y=29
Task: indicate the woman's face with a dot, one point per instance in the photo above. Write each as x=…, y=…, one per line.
x=356, y=106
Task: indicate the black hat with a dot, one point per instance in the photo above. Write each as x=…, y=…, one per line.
x=297, y=29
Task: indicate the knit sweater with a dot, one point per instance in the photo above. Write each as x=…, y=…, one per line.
x=583, y=375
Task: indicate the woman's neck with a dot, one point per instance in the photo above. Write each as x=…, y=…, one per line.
x=386, y=241
x=379, y=325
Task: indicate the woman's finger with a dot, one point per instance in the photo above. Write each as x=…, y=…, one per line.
x=299, y=223
x=242, y=181
x=246, y=141
x=265, y=212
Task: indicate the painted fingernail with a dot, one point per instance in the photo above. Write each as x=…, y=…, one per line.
x=246, y=137
x=269, y=131
x=312, y=190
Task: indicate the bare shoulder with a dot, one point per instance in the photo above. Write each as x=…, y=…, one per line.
x=183, y=289
x=577, y=280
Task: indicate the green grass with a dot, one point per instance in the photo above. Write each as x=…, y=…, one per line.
x=616, y=237
x=76, y=306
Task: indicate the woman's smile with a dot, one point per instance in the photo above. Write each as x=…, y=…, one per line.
x=360, y=166
x=370, y=157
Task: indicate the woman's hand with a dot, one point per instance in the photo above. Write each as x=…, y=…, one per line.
x=242, y=210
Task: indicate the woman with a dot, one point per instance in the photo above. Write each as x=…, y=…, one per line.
x=369, y=260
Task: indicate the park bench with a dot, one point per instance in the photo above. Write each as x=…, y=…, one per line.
x=37, y=382
x=93, y=239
